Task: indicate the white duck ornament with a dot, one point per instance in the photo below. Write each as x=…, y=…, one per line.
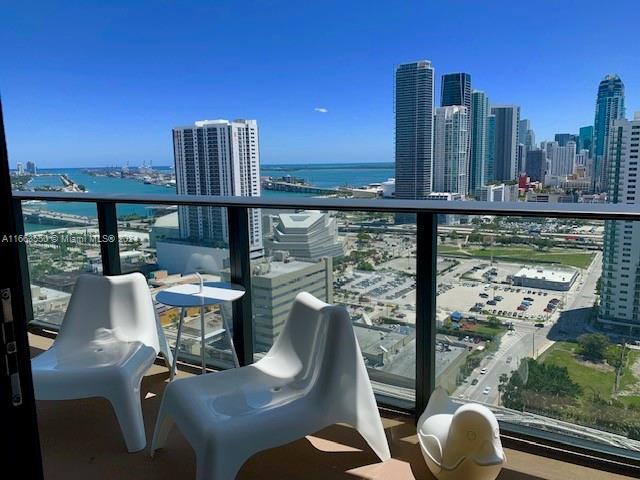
x=460, y=441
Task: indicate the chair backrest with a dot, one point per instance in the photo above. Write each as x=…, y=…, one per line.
x=118, y=306
x=317, y=345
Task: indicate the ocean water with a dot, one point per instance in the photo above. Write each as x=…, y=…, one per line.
x=334, y=175
x=321, y=175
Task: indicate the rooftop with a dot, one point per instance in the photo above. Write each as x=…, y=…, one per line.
x=546, y=273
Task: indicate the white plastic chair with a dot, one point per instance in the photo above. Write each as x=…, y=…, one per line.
x=312, y=377
x=109, y=338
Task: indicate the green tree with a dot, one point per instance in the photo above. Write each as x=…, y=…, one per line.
x=493, y=321
x=593, y=346
x=543, y=386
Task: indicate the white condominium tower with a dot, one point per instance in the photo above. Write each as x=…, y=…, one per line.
x=563, y=159
x=217, y=157
x=620, y=296
x=451, y=160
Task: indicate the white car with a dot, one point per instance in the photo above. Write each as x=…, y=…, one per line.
x=486, y=390
x=483, y=371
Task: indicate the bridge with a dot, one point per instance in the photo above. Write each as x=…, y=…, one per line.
x=49, y=217
x=297, y=187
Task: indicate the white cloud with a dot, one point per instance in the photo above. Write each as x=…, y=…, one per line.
x=321, y=109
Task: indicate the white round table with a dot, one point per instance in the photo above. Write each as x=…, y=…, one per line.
x=193, y=295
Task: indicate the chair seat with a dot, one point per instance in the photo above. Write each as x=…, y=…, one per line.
x=83, y=372
x=219, y=402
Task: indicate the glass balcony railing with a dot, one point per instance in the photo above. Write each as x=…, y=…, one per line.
x=497, y=304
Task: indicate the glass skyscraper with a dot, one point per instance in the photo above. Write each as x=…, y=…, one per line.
x=479, y=141
x=456, y=90
x=609, y=107
x=414, y=129
x=507, y=118
x=585, y=139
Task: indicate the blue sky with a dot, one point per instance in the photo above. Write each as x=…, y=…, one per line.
x=100, y=83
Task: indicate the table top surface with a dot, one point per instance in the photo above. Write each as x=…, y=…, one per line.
x=190, y=295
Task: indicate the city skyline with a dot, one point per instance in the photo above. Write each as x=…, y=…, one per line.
x=311, y=108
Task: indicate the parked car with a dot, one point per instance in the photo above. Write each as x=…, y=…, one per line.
x=491, y=302
x=483, y=371
x=486, y=390
x=539, y=325
x=474, y=381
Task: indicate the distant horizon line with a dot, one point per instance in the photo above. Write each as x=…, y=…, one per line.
x=262, y=164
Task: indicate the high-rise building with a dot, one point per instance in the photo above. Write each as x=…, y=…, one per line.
x=217, y=157
x=563, y=159
x=620, y=297
x=20, y=168
x=414, y=130
x=564, y=138
x=521, y=155
x=490, y=164
x=479, y=141
x=536, y=166
x=526, y=135
x=585, y=139
x=31, y=168
x=455, y=90
x=582, y=158
x=609, y=107
x=506, y=141
x=450, y=160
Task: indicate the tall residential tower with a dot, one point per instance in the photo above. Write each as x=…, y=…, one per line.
x=507, y=118
x=620, y=296
x=609, y=107
x=479, y=141
x=217, y=157
x=451, y=161
x=414, y=129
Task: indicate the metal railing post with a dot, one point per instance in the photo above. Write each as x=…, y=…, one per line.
x=240, y=269
x=109, y=243
x=426, y=263
x=23, y=260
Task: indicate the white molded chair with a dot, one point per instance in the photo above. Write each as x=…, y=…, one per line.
x=109, y=338
x=312, y=377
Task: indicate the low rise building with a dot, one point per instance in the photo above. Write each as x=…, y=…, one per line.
x=547, y=278
x=308, y=235
x=274, y=285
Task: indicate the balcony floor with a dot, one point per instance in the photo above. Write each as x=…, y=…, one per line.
x=81, y=439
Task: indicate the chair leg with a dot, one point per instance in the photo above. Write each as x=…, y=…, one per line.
x=218, y=465
x=164, y=423
x=128, y=408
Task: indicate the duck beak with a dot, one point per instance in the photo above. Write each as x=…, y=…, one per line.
x=490, y=453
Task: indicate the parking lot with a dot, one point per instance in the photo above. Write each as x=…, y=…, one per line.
x=393, y=286
x=482, y=289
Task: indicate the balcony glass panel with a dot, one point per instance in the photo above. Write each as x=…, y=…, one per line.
x=517, y=307
x=169, y=245
x=360, y=260
x=62, y=241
